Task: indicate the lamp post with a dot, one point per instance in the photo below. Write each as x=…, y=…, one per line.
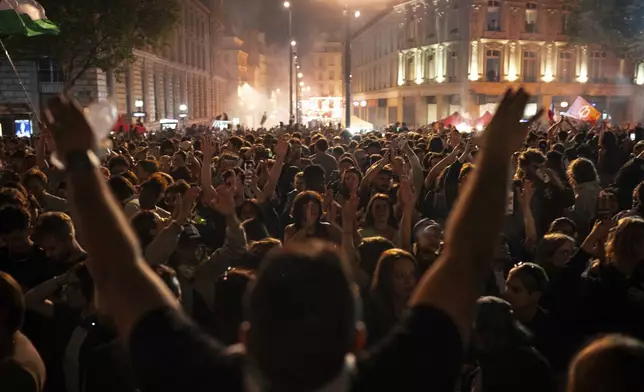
x=183, y=113
x=347, y=64
x=287, y=5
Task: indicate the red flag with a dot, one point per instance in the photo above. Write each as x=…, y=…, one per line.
x=582, y=110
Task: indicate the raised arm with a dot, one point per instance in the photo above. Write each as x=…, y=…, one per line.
x=435, y=171
x=274, y=175
x=408, y=200
x=127, y=287
x=456, y=280
x=41, y=148
x=206, y=167
x=372, y=172
x=525, y=201
x=37, y=299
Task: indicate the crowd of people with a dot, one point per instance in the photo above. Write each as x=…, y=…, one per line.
x=298, y=259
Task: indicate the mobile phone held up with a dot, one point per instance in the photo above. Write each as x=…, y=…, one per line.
x=249, y=169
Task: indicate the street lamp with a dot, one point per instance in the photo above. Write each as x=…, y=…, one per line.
x=287, y=5
x=138, y=104
x=347, y=64
x=300, y=75
x=183, y=107
x=564, y=104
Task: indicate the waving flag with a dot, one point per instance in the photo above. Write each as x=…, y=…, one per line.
x=24, y=17
x=582, y=110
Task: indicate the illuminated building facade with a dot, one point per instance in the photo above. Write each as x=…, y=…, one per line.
x=426, y=59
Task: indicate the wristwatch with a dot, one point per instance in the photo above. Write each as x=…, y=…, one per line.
x=81, y=161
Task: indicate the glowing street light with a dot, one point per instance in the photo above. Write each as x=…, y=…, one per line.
x=357, y=14
x=183, y=107
x=300, y=75
x=301, y=84
x=564, y=104
x=138, y=104
x=293, y=43
x=287, y=4
x=363, y=104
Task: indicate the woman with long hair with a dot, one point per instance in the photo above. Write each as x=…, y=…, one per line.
x=380, y=219
x=393, y=282
x=307, y=214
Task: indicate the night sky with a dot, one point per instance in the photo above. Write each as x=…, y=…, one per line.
x=312, y=19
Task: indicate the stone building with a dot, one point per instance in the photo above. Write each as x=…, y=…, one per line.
x=183, y=73
x=423, y=60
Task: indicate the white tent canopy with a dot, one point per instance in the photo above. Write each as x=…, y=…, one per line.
x=358, y=124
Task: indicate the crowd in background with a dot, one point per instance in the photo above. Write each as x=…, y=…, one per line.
x=510, y=259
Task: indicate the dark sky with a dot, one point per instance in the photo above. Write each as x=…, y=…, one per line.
x=312, y=19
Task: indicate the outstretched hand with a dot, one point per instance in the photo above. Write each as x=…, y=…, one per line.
x=505, y=134
x=69, y=128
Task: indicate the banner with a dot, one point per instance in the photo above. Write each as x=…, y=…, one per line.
x=584, y=111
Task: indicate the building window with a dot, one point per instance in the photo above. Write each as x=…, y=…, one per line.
x=411, y=74
x=49, y=72
x=431, y=66
x=331, y=90
x=565, y=18
x=321, y=61
x=331, y=75
x=493, y=18
x=332, y=60
x=492, y=65
x=530, y=66
x=411, y=30
x=452, y=66
x=596, y=66
x=531, y=18
x=564, y=67
x=430, y=23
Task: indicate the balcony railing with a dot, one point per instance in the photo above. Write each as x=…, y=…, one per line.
x=51, y=87
x=530, y=27
x=493, y=27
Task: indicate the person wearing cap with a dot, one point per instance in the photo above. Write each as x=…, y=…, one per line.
x=427, y=239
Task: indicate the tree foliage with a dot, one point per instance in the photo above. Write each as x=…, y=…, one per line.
x=100, y=33
x=614, y=24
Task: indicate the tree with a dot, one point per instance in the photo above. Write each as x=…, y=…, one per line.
x=99, y=33
x=614, y=24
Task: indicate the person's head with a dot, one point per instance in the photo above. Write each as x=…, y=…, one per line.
x=118, y=165
x=147, y=225
x=495, y=326
x=369, y=252
x=298, y=181
x=12, y=306
x=235, y=144
x=122, y=188
x=250, y=209
x=530, y=162
x=429, y=237
x=301, y=314
x=172, y=193
x=564, y=226
x=464, y=174
x=625, y=245
x=35, y=182
x=609, y=140
x=78, y=289
x=555, y=250
x=582, y=170
x=228, y=306
x=179, y=159
x=314, y=178
x=12, y=197
x=301, y=203
x=54, y=232
x=382, y=182
x=144, y=169
x=379, y=210
x=255, y=229
x=337, y=152
x=151, y=192
x=395, y=277
x=351, y=179
x=431, y=159
x=613, y=363
x=14, y=228
x=638, y=196
x=525, y=285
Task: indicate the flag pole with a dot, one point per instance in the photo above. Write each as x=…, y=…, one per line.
x=15, y=71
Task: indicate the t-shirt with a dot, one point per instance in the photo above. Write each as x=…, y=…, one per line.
x=28, y=269
x=170, y=353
